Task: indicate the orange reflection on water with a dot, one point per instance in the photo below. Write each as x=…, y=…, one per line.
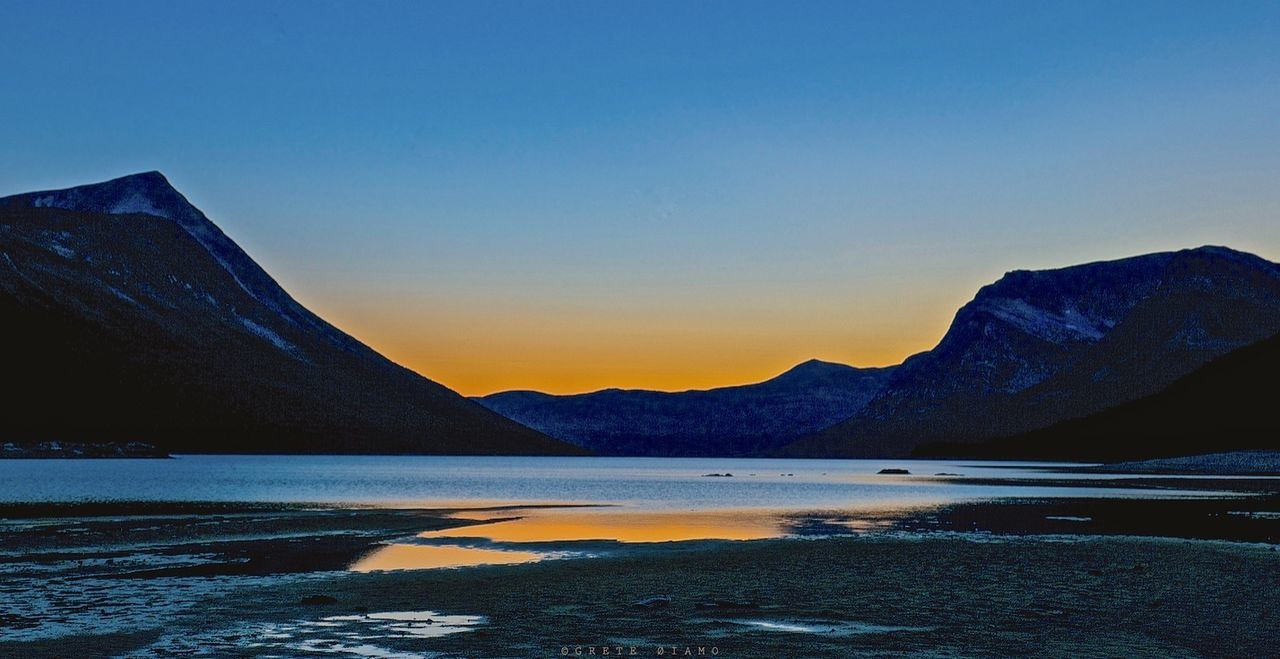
x=622, y=526
x=420, y=557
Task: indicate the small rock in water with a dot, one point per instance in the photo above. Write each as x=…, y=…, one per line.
x=726, y=604
x=656, y=602
x=724, y=475
x=317, y=600
x=897, y=472
x=947, y=473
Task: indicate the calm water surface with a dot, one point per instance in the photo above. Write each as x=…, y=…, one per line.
x=671, y=484
x=637, y=502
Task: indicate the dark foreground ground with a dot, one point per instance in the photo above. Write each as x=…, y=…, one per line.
x=1058, y=578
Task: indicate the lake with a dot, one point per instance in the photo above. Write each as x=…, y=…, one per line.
x=419, y=556
x=637, y=483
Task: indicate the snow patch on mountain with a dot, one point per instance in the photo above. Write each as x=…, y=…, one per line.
x=267, y=334
x=17, y=271
x=123, y=296
x=137, y=203
x=61, y=250
x=150, y=194
x=1053, y=326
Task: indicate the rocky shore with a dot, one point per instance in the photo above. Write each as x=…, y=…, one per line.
x=56, y=449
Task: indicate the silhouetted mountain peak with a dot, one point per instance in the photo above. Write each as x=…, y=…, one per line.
x=176, y=335
x=150, y=193
x=817, y=365
x=1082, y=303
x=1052, y=284
x=813, y=370
x=146, y=193
x=1224, y=260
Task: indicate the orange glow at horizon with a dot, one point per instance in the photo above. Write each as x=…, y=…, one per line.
x=705, y=364
x=478, y=352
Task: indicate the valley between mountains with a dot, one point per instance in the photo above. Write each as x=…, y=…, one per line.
x=132, y=320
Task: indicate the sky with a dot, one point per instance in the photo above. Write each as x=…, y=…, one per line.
x=567, y=196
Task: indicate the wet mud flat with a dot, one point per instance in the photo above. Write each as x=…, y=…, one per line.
x=875, y=595
x=1249, y=519
x=1064, y=577
x=231, y=538
x=870, y=596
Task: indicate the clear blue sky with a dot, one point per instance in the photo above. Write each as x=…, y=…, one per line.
x=571, y=195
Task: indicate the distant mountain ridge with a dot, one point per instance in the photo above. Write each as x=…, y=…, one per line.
x=742, y=420
x=1035, y=348
x=131, y=317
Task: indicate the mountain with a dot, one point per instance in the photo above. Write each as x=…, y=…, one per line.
x=731, y=421
x=1035, y=348
x=130, y=317
x=1226, y=405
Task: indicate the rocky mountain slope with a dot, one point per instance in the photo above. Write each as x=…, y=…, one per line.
x=1226, y=405
x=130, y=317
x=1036, y=348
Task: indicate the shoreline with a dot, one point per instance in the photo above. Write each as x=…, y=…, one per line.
x=1244, y=463
x=240, y=579
x=878, y=593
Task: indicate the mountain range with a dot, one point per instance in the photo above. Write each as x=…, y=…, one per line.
x=130, y=317
x=1033, y=349
x=753, y=419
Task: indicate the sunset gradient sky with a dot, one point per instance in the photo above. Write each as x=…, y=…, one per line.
x=567, y=196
